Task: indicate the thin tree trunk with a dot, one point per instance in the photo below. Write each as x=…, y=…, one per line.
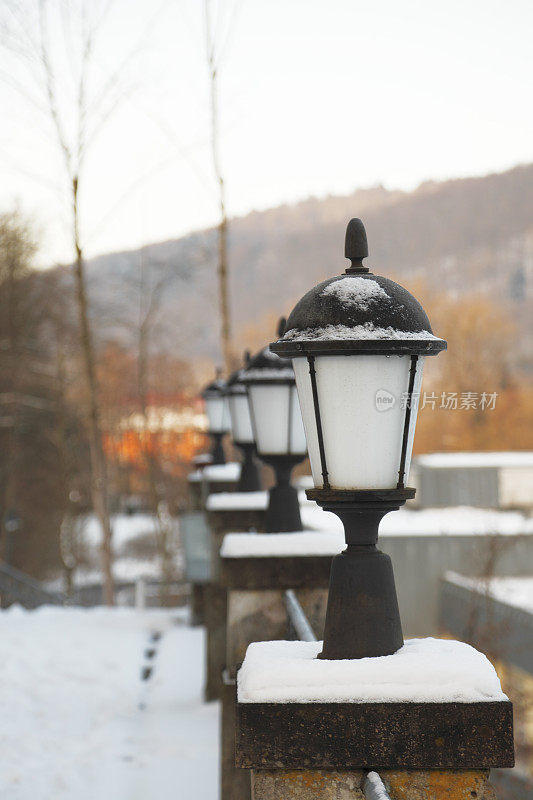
x=98, y=464
x=161, y=527
x=222, y=255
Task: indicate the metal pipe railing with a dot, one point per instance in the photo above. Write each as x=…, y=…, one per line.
x=373, y=788
x=297, y=618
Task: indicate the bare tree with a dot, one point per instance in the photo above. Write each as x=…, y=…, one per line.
x=214, y=48
x=154, y=279
x=77, y=114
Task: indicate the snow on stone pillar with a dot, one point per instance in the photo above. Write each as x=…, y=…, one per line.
x=431, y=719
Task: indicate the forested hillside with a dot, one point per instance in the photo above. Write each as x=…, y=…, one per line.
x=459, y=236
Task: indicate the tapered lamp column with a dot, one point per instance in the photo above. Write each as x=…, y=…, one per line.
x=357, y=343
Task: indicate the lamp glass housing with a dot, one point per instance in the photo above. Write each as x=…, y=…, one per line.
x=362, y=417
x=277, y=419
x=241, y=422
x=216, y=407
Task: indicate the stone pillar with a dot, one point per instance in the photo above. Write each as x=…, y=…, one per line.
x=229, y=518
x=260, y=615
x=234, y=783
x=256, y=612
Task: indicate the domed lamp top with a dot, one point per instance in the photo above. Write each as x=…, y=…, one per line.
x=357, y=312
x=216, y=388
x=266, y=367
x=235, y=384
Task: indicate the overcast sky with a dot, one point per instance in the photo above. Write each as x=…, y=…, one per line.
x=316, y=97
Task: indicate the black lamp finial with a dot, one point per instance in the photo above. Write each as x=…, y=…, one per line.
x=356, y=246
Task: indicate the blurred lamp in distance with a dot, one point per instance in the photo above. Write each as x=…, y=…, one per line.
x=216, y=407
x=357, y=343
x=241, y=429
x=278, y=432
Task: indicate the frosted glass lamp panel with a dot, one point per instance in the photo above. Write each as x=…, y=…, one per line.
x=270, y=417
x=362, y=434
x=298, y=445
x=414, y=413
x=216, y=408
x=305, y=396
x=241, y=423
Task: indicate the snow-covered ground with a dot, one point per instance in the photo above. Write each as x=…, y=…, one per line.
x=72, y=726
x=134, y=548
x=126, y=529
x=516, y=592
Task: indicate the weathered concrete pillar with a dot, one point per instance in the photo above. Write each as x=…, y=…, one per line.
x=256, y=612
x=260, y=615
x=312, y=728
x=234, y=783
x=400, y=785
x=215, y=620
x=197, y=604
x=225, y=512
x=212, y=479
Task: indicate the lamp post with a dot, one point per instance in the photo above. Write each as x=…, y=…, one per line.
x=278, y=433
x=357, y=343
x=216, y=406
x=241, y=430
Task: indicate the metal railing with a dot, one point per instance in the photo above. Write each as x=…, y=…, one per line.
x=18, y=587
x=297, y=619
x=373, y=786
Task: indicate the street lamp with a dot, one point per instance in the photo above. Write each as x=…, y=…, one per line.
x=241, y=429
x=278, y=432
x=357, y=343
x=216, y=406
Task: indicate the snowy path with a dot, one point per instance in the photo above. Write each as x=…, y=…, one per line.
x=71, y=726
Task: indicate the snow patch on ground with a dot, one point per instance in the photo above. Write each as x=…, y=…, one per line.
x=517, y=592
x=356, y=292
x=494, y=459
x=69, y=703
x=125, y=527
x=262, y=545
x=423, y=670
